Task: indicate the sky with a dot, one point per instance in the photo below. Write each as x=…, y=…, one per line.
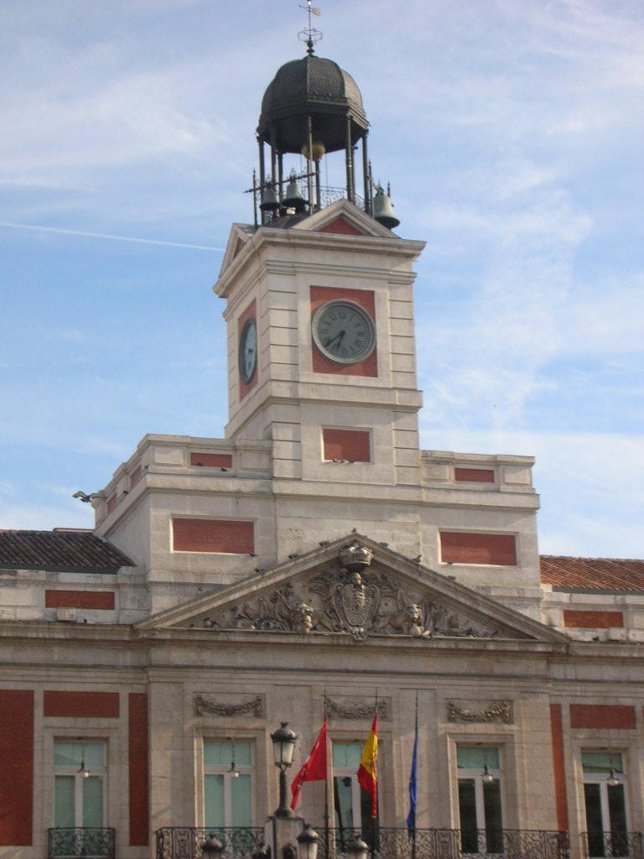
x=511, y=132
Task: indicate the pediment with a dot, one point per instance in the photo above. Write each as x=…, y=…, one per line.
x=343, y=218
x=240, y=235
x=357, y=588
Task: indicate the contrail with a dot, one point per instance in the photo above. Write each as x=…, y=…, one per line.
x=109, y=236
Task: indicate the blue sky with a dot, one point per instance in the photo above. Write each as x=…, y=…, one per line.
x=511, y=131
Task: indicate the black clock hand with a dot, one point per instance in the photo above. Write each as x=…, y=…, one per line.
x=339, y=337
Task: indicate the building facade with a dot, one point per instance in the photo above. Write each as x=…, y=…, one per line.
x=317, y=564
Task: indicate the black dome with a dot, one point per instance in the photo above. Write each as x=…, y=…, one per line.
x=317, y=87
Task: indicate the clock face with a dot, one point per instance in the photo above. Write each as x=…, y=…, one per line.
x=344, y=332
x=248, y=351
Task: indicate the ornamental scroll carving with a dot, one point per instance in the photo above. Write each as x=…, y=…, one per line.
x=493, y=711
x=210, y=707
x=348, y=598
x=357, y=708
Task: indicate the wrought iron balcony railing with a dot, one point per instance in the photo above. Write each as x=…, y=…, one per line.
x=71, y=842
x=384, y=843
x=612, y=844
x=185, y=842
x=387, y=843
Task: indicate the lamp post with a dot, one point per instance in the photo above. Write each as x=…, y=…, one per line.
x=283, y=747
x=307, y=843
x=357, y=849
x=212, y=848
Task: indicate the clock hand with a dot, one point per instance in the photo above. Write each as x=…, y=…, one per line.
x=339, y=337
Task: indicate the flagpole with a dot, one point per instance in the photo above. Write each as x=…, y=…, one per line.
x=413, y=787
x=326, y=793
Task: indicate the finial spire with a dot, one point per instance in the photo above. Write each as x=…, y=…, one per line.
x=310, y=36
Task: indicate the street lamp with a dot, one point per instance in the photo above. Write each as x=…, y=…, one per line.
x=357, y=849
x=212, y=848
x=307, y=843
x=283, y=747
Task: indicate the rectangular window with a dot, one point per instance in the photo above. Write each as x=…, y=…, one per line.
x=352, y=805
x=228, y=775
x=79, y=784
x=605, y=801
x=479, y=799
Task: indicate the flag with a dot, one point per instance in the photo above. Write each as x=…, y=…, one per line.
x=314, y=767
x=368, y=770
x=411, y=817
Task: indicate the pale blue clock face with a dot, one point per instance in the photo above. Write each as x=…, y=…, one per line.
x=248, y=351
x=344, y=332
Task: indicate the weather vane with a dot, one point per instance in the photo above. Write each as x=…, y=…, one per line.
x=310, y=36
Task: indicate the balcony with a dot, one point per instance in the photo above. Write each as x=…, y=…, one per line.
x=386, y=843
x=72, y=842
x=184, y=842
x=605, y=845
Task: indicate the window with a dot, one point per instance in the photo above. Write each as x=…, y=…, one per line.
x=352, y=805
x=79, y=784
x=479, y=799
x=605, y=802
x=227, y=790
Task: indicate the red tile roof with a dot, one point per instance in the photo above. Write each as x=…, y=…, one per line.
x=592, y=574
x=61, y=550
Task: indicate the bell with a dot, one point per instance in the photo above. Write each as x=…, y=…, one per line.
x=383, y=209
x=269, y=203
x=318, y=150
x=293, y=198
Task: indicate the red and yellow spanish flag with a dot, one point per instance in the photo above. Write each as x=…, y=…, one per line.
x=314, y=767
x=368, y=770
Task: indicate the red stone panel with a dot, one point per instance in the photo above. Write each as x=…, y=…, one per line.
x=363, y=298
x=93, y=705
x=556, y=730
x=138, y=751
x=350, y=445
x=342, y=227
x=213, y=535
x=80, y=599
x=593, y=619
x=616, y=716
x=465, y=547
x=474, y=475
x=17, y=756
x=211, y=460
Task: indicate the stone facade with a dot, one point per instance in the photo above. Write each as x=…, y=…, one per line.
x=264, y=580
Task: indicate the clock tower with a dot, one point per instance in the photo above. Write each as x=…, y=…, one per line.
x=322, y=436
x=321, y=343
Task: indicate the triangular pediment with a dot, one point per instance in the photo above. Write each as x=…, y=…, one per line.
x=240, y=235
x=357, y=588
x=343, y=218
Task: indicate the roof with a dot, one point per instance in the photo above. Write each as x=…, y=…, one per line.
x=313, y=87
x=592, y=574
x=61, y=550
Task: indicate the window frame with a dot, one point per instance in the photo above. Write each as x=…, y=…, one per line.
x=73, y=771
x=228, y=779
x=489, y=838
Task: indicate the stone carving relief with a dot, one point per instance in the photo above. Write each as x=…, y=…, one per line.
x=357, y=708
x=477, y=711
x=347, y=598
x=204, y=706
